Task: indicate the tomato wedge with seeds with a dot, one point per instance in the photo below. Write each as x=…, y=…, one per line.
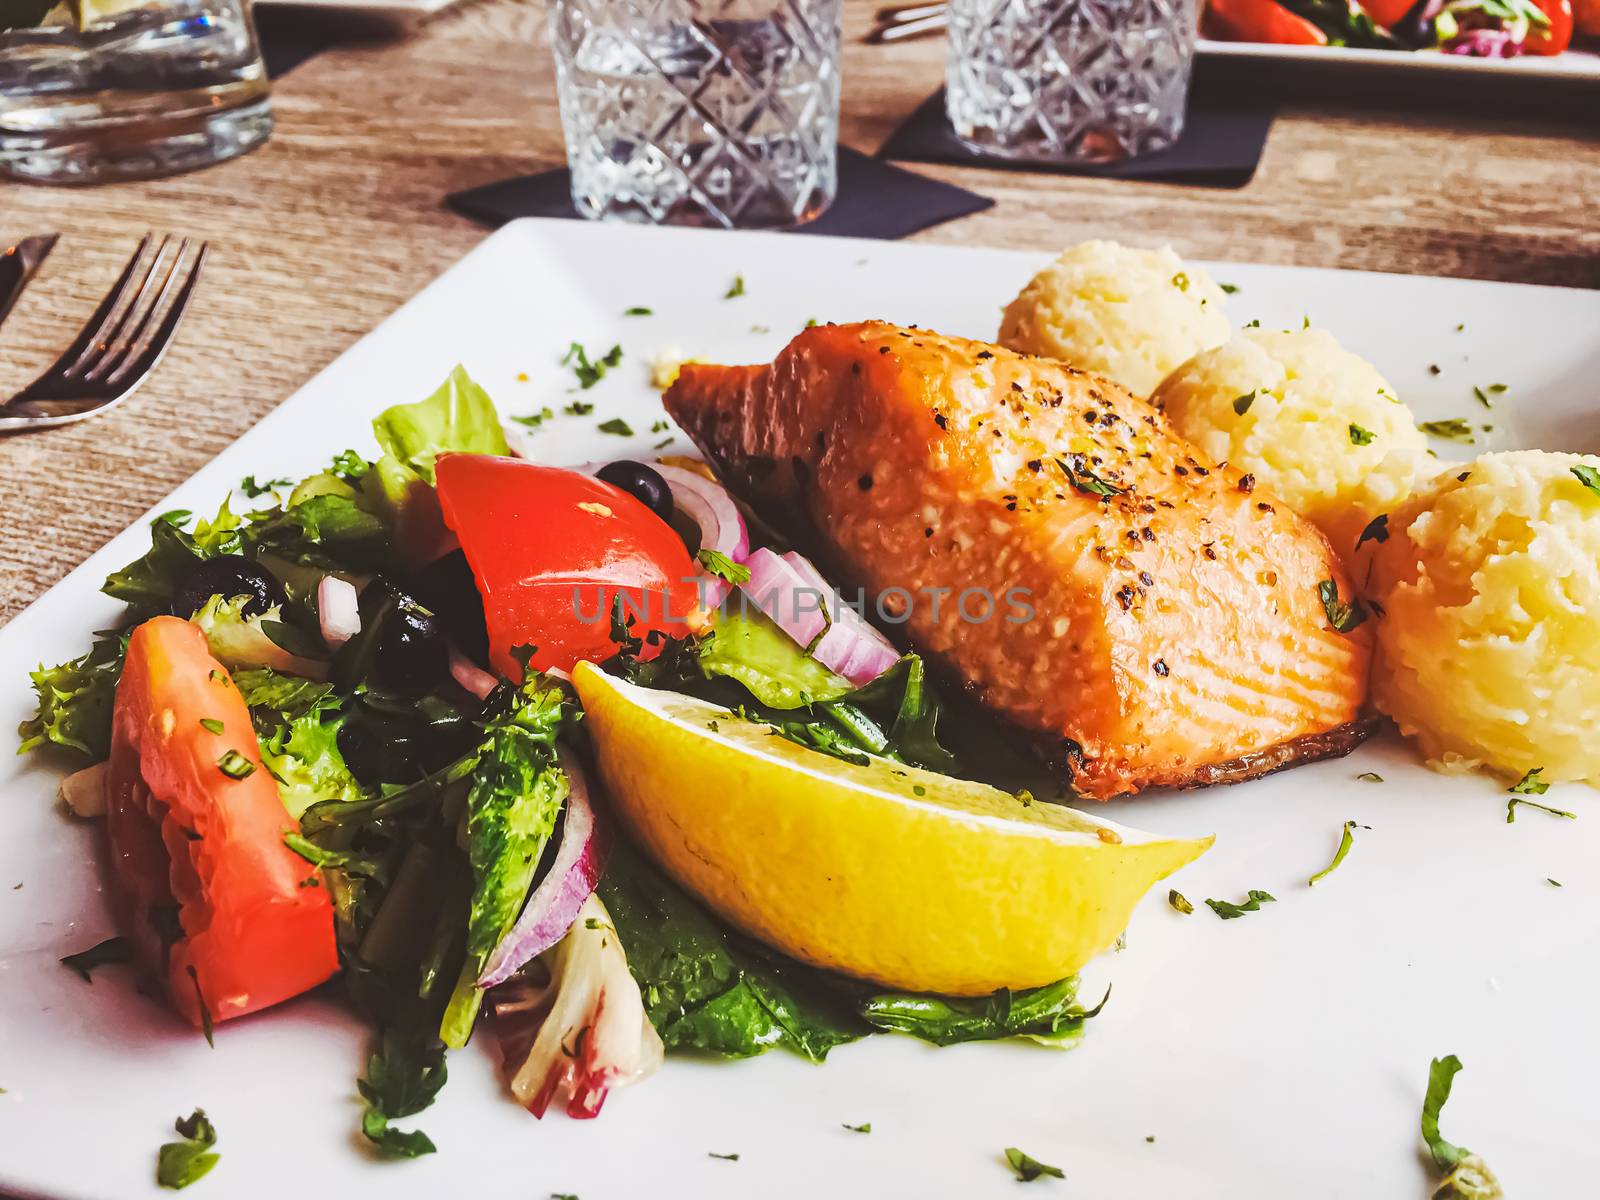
x=226, y=916
x=551, y=551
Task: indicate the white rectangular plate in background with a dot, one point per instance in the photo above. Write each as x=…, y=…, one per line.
x=1281, y=1054
x=1578, y=63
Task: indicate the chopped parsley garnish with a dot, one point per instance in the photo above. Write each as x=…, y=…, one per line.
x=534, y=420
x=251, y=488
x=1228, y=910
x=719, y=564
x=1243, y=403
x=918, y=790
x=1255, y=324
x=112, y=950
x=1181, y=281
x=1483, y=397
x=1370, y=777
x=1588, y=476
x=866, y=1128
x=1029, y=1168
x=660, y=426
x=638, y=310
x=664, y=442
x=1360, y=436
x=723, y=1157
x=1179, y=901
x=1079, y=475
x=1456, y=429
x=1553, y=882
x=1343, y=617
x=578, y=408
x=1346, y=840
x=736, y=288
x=178, y=1164
x=1377, y=530
x=235, y=765
x=1530, y=784
x=617, y=426
x=1511, y=809
x=1230, y=288
x=211, y=724
x=590, y=373
x=811, y=323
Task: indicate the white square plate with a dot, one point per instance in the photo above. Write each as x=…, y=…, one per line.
x=1577, y=63
x=1282, y=1054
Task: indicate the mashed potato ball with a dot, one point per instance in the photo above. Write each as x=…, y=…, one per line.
x=1130, y=315
x=1317, y=426
x=1489, y=639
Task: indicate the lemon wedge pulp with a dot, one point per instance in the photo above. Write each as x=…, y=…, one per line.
x=890, y=873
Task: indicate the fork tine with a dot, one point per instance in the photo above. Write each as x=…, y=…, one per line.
x=114, y=343
x=127, y=346
x=135, y=368
x=99, y=319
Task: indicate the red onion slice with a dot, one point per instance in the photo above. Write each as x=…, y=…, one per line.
x=554, y=904
x=470, y=675
x=722, y=526
x=789, y=589
x=338, y=610
x=784, y=593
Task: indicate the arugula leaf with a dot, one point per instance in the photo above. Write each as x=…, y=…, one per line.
x=403, y=1077
x=1346, y=840
x=1343, y=617
x=719, y=564
x=517, y=791
x=704, y=988
x=1228, y=910
x=1588, y=476
x=112, y=950
x=1049, y=1015
x=178, y=1164
x=74, y=700
x=1029, y=1168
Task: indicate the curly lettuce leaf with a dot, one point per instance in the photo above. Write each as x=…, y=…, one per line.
x=240, y=641
x=148, y=583
x=75, y=701
x=304, y=758
x=749, y=648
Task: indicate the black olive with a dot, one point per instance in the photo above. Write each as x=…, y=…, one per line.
x=640, y=482
x=388, y=740
x=412, y=654
x=228, y=575
x=447, y=586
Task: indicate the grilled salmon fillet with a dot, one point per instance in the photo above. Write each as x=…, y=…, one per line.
x=1170, y=628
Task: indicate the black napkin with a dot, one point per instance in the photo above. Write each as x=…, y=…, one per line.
x=1221, y=145
x=875, y=200
x=289, y=37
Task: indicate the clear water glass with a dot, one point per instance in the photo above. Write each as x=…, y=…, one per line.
x=99, y=90
x=1069, y=80
x=700, y=112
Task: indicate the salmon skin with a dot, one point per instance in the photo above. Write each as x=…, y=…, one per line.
x=1176, y=631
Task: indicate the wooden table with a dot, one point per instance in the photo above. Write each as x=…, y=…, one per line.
x=338, y=220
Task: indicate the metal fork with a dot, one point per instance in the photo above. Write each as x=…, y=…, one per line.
x=119, y=345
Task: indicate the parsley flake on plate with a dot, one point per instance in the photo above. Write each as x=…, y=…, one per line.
x=578, y=408
x=534, y=420
x=1231, y=289
x=1179, y=901
x=736, y=288
x=865, y=1128
x=112, y=950
x=723, y=1157
x=617, y=426
x=1228, y=910
x=590, y=373
x=1455, y=429
x=1346, y=840
x=178, y=1164
x=638, y=310
x=1530, y=784
x=1370, y=777
x=719, y=564
x=1029, y=1168
x=1511, y=809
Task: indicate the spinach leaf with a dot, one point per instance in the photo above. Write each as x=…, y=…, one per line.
x=704, y=988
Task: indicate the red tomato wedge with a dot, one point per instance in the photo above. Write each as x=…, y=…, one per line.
x=1262, y=21
x=1557, y=36
x=552, y=550
x=217, y=907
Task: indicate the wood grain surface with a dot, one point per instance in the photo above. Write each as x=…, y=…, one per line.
x=319, y=235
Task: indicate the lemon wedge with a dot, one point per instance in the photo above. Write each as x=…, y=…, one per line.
x=901, y=876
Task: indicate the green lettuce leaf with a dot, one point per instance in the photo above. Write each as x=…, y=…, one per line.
x=237, y=640
x=281, y=698
x=148, y=583
x=75, y=700
x=304, y=758
x=517, y=791
x=325, y=528
x=748, y=647
x=704, y=988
